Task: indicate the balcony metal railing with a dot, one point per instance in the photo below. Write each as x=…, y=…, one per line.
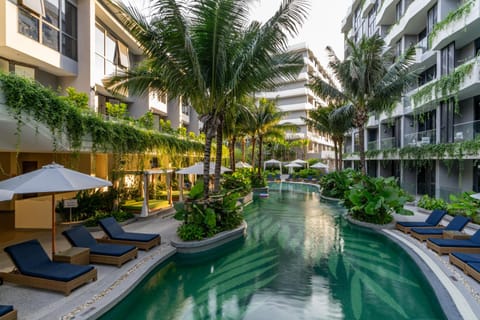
x=372, y=145
x=420, y=138
x=388, y=143
x=466, y=131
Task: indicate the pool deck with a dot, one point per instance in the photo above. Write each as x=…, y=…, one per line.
x=113, y=283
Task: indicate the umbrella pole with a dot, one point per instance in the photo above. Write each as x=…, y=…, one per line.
x=54, y=231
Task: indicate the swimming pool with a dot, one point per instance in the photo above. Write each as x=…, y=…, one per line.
x=300, y=260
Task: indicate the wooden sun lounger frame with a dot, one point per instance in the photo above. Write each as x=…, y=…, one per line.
x=142, y=245
x=457, y=262
x=114, y=260
x=12, y=315
x=408, y=230
x=62, y=286
x=446, y=250
x=424, y=237
x=472, y=272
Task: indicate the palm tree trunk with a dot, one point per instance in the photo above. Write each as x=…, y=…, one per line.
x=206, y=162
x=253, y=152
x=231, y=148
x=335, y=147
x=243, y=149
x=218, y=157
x=340, y=153
x=260, y=147
x=360, y=120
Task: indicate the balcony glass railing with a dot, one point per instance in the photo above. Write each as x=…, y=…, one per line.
x=372, y=145
x=466, y=131
x=348, y=149
x=420, y=138
x=389, y=143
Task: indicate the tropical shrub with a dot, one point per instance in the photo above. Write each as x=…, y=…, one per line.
x=463, y=204
x=336, y=183
x=374, y=200
x=239, y=181
x=120, y=216
x=429, y=203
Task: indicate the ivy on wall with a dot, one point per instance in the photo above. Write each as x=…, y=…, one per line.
x=455, y=15
x=445, y=87
x=27, y=99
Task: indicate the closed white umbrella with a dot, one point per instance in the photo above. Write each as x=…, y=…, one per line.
x=52, y=178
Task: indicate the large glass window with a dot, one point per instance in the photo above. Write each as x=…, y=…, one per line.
x=431, y=18
x=110, y=54
x=40, y=20
x=448, y=59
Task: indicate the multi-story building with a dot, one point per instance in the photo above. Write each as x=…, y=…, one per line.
x=429, y=141
x=296, y=100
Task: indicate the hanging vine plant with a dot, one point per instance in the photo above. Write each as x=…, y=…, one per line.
x=26, y=99
x=444, y=88
x=455, y=15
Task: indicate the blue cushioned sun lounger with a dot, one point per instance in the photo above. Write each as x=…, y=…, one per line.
x=461, y=259
x=433, y=220
x=115, y=234
x=444, y=246
x=473, y=270
x=422, y=234
x=35, y=269
x=116, y=254
x=7, y=313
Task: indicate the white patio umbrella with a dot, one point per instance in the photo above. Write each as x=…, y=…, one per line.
x=241, y=164
x=292, y=165
x=273, y=162
x=6, y=195
x=319, y=165
x=475, y=196
x=197, y=168
x=52, y=178
x=301, y=162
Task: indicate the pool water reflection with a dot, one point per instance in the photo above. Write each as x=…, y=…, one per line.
x=300, y=260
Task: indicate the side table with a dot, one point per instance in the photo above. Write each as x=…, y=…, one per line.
x=455, y=235
x=74, y=255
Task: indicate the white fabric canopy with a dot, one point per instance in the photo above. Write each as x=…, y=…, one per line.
x=6, y=195
x=197, y=168
x=301, y=162
x=319, y=165
x=475, y=196
x=273, y=162
x=241, y=164
x=292, y=165
x=52, y=178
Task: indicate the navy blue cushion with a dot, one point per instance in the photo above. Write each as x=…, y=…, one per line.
x=476, y=237
x=435, y=217
x=133, y=236
x=27, y=255
x=475, y=266
x=457, y=223
x=59, y=271
x=412, y=224
x=454, y=243
x=467, y=257
x=428, y=230
x=111, y=249
x=5, y=309
x=80, y=237
x=111, y=227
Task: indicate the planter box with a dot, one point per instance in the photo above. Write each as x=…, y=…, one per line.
x=246, y=199
x=210, y=243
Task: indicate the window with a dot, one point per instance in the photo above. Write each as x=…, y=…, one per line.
x=123, y=60
x=40, y=21
x=356, y=19
x=24, y=71
x=448, y=59
x=398, y=48
x=431, y=18
x=371, y=20
x=398, y=11
x=477, y=46
x=446, y=121
x=427, y=76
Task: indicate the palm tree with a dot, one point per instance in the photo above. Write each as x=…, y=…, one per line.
x=333, y=125
x=208, y=52
x=370, y=82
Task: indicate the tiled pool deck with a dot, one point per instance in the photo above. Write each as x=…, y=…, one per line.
x=114, y=283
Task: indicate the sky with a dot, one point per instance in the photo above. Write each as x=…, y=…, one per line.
x=321, y=29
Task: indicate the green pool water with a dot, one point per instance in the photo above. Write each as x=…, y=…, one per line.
x=300, y=260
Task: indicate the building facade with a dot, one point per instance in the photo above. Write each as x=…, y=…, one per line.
x=296, y=100
x=429, y=141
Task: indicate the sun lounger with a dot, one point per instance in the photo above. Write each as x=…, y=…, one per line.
x=461, y=259
x=432, y=221
x=116, y=234
x=473, y=270
x=7, y=313
x=445, y=246
x=35, y=269
x=116, y=254
x=422, y=234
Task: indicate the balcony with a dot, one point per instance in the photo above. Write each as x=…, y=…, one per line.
x=419, y=139
x=386, y=14
x=423, y=56
x=347, y=21
x=372, y=145
x=388, y=143
x=461, y=26
x=367, y=5
x=466, y=131
x=348, y=149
